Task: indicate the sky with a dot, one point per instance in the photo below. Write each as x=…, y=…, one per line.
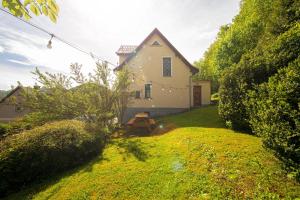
x=100, y=27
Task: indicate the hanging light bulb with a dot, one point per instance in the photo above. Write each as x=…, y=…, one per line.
x=49, y=45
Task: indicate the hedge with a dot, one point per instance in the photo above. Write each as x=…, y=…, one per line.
x=274, y=110
x=43, y=151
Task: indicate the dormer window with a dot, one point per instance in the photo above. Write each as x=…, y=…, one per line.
x=155, y=43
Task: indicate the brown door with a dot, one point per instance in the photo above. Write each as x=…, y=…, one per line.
x=197, y=95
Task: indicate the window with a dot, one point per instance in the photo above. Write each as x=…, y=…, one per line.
x=18, y=108
x=147, y=91
x=137, y=94
x=167, y=71
x=155, y=43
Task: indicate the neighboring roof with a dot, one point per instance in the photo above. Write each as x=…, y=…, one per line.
x=156, y=31
x=10, y=93
x=126, y=49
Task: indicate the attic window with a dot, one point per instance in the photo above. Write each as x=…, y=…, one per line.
x=155, y=43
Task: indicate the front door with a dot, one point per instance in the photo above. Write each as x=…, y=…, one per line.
x=197, y=95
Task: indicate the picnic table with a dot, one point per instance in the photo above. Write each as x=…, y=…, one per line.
x=141, y=120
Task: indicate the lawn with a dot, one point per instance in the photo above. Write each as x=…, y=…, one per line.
x=197, y=158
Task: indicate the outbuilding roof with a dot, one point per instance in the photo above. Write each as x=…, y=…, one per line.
x=126, y=49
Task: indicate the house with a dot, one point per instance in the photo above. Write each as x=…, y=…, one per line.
x=161, y=78
x=10, y=105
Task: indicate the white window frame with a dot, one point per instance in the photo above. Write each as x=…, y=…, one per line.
x=162, y=67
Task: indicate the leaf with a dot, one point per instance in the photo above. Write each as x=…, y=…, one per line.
x=34, y=9
x=45, y=10
x=27, y=16
x=52, y=4
x=5, y=3
x=26, y=2
x=52, y=16
x=41, y=1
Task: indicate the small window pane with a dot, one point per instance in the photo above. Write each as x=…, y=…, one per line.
x=167, y=67
x=155, y=43
x=147, y=90
x=137, y=94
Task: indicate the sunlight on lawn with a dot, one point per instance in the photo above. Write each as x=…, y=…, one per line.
x=198, y=159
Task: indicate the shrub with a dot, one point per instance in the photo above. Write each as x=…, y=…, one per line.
x=253, y=69
x=27, y=122
x=231, y=108
x=43, y=151
x=275, y=115
x=4, y=128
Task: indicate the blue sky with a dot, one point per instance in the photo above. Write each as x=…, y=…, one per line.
x=101, y=27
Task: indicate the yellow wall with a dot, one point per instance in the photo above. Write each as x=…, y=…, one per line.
x=205, y=91
x=167, y=92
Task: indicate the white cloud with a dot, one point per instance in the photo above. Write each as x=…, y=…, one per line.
x=33, y=48
x=19, y=62
x=101, y=26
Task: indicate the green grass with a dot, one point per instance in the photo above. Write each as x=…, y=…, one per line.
x=196, y=159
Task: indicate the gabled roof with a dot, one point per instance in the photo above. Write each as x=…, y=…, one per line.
x=10, y=93
x=177, y=53
x=126, y=49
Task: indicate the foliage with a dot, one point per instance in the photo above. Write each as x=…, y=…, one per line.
x=275, y=114
x=263, y=39
x=26, y=122
x=207, y=67
x=46, y=150
x=3, y=93
x=198, y=159
x=96, y=99
x=23, y=9
x=255, y=67
x=4, y=128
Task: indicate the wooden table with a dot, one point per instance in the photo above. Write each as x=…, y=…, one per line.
x=141, y=120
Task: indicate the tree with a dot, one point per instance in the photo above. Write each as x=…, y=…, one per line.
x=97, y=98
x=24, y=9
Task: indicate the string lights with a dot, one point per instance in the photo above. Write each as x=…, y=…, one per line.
x=163, y=87
x=49, y=45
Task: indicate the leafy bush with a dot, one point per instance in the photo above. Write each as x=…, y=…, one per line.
x=275, y=115
x=35, y=154
x=27, y=122
x=4, y=128
x=253, y=69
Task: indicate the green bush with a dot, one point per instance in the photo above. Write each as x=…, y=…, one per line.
x=4, y=128
x=43, y=151
x=275, y=115
x=253, y=69
x=27, y=122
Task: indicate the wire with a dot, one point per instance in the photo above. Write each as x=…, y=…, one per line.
x=60, y=39
x=163, y=86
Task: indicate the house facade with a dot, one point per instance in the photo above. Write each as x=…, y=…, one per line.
x=161, y=78
x=10, y=110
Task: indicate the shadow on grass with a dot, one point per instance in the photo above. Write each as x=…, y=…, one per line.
x=135, y=148
x=28, y=191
